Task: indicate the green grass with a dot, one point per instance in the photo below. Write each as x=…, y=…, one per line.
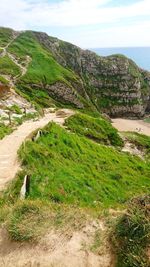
x=132, y=234
x=67, y=168
x=8, y=67
x=97, y=129
x=5, y=36
x=4, y=130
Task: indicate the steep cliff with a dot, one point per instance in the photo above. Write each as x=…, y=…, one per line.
x=51, y=68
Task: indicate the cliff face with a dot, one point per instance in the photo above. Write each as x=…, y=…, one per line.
x=115, y=84
x=68, y=74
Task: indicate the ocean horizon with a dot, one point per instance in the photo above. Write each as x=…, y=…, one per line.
x=140, y=55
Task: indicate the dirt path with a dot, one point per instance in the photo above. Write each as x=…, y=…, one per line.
x=132, y=126
x=23, y=69
x=9, y=146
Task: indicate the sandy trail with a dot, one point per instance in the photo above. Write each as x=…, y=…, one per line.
x=9, y=164
x=132, y=126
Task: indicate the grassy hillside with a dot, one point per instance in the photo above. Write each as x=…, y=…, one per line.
x=67, y=168
x=75, y=74
x=79, y=169
x=42, y=71
x=43, y=67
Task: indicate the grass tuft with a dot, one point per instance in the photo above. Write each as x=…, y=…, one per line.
x=4, y=130
x=133, y=234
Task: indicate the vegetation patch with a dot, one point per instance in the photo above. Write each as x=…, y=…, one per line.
x=39, y=97
x=132, y=234
x=16, y=109
x=97, y=129
x=8, y=67
x=4, y=130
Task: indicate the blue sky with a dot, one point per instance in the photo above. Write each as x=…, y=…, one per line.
x=86, y=23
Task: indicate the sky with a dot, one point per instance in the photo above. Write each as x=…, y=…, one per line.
x=86, y=23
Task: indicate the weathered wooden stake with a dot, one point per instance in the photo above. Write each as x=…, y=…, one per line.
x=25, y=189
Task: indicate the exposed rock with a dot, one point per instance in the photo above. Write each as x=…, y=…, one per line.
x=64, y=94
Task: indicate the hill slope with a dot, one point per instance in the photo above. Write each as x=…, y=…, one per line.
x=44, y=67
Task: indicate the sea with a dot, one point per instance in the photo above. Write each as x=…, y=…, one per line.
x=140, y=55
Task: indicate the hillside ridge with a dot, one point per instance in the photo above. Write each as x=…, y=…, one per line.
x=45, y=67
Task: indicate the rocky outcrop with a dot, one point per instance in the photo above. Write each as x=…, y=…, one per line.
x=64, y=93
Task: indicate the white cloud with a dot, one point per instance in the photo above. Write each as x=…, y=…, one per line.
x=121, y=36
x=24, y=14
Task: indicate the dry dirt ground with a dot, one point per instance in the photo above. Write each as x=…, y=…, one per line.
x=9, y=145
x=57, y=249
x=124, y=125
x=139, y=126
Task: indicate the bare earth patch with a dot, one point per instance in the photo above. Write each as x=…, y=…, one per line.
x=60, y=249
x=124, y=125
x=129, y=147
